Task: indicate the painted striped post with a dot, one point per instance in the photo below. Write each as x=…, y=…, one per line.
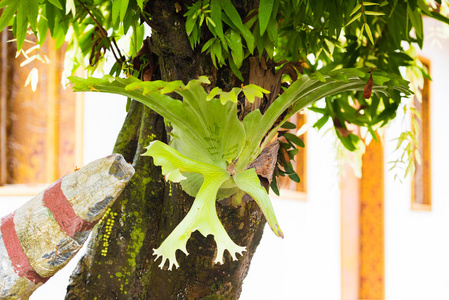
x=41, y=237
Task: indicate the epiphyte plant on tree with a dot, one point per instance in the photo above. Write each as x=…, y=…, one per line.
x=211, y=149
x=232, y=42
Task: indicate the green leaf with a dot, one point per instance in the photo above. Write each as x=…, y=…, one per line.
x=56, y=3
x=416, y=19
x=320, y=76
x=215, y=91
x=8, y=13
x=174, y=163
x=123, y=9
x=216, y=51
x=369, y=3
x=374, y=13
x=301, y=93
x=231, y=96
x=274, y=186
x=217, y=143
x=5, y=3
x=294, y=177
x=235, y=70
x=321, y=122
x=354, y=18
x=234, y=16
x=380, y=80
x=251, y=91
x=215, y=14
x=288, y=125
x=356, y=8
x=235, y=43
x=209, y=20
x=202, y=216
x=294, y=139
x=21, y=24
x=265, y=9
x=249, y=182
x=368, y=32
x=208, y=44
x=32, y=13
x=116, y=6
x=140, y=4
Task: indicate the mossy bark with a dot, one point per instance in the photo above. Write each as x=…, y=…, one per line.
x=119, y=261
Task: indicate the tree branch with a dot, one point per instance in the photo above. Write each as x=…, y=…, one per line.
x=104, y=34
x=150, y=23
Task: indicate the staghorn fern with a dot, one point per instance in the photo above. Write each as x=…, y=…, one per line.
x=211, y=148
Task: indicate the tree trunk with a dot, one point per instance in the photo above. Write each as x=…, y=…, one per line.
x=119, y=261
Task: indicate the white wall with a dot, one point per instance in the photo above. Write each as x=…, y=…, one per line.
x=306, y=264
x=416, y=242
x=103, y=118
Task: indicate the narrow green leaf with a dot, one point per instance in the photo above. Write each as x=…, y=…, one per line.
x=354, y=18
x=201, y=20
x=294, y=177
x=235, y=70
x=235, y=43
x=374, y=13
x=294, y=139
x=265, y=9
x=42, y=30
x=215, y=14
x=274, y=186
x=288, y=125
x=190, y=24
x=356, y=8
x=320, y=123
x=22, y=24
x=56, y=3
x=369, y=3
x=416, y=19
x=116, y=5
x=140, y=4
x=209, y=20
x=234, y=16
x=32, y=13
x=361, y=31
x=208, y=44
x=216, y=49
x=123, y=9
x=8, y=14
x=368, y=32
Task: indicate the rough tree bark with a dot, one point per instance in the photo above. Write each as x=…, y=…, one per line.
x=119, y=262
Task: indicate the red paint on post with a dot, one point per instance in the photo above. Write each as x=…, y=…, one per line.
x=19, y=260
x=63, y=212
